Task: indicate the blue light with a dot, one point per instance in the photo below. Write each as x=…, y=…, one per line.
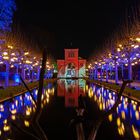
x=16, y=78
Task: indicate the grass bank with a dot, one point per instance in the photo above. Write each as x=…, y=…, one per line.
x=13, y=91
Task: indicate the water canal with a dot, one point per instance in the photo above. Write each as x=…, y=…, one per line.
x=60, y=106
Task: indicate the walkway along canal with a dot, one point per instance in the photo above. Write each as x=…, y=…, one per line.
x=67, y=107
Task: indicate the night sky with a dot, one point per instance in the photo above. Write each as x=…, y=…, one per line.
x=84, y=23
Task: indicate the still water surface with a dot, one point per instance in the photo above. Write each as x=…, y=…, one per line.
x=60, y=102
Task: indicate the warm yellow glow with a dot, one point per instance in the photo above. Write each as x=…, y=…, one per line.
x=28, y=62
x=90, y=92
x=10, y=47
x=100, y=106
x=118, y=122
x=14, y=111
x=118, y=49
x=6, y=128
x=1, y=108
x=86, y=87
x=12, y=66
x=5, y=57
x=26, y=53
x=121, y=130
x=27, y=123
x=28, y=112
x=110, y=117
x=120, y=45
x=134, y=106
x=137, y=115
x=95, y=98
x=136, y=46
x=13, y=54
x=5, y=121
x=48, y=100
x=138, y=39
x=135, y=133
x=49, y=91
x=5, y=53
x=13, y=117
x=123, y=114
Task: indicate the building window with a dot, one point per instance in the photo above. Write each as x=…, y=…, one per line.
x=71, y=54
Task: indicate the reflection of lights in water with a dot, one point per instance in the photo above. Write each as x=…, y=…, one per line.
x=126, y=99
x=28, y=111
x=48, y=100
x=46, y=92
x=26, y=123
x=5, y=121
x=137, y=115
x=125, y=106
x=6, y=128
x=1, y=108
x=42, y=105
x=16, y=102
x=110, y=117
x=123, y=115
x=20, y=97
x=100, y=106
x=132, y=101
x=104, y=106
x=121, y=129
x=106, y=99
x=95, y=98
x=118, y=122
x=134, y=106
x=110, y=95
x=90, y=92
x=53, y=91
x=14, y=111
x=13, y=117
x=42, y=97
x=112, y=102
x=34, y=109
x=0, y=132
x=135, y=132
x=36, y=91
x=49, y=91
x=86, y=88
x=48, y=95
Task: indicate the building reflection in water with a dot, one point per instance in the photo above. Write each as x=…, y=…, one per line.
x=20, y=109
x=127, y=116
x=71, y=89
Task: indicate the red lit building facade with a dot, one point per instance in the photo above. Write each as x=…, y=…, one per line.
x=72, y=65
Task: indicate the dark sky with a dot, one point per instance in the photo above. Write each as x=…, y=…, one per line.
x=84, y=23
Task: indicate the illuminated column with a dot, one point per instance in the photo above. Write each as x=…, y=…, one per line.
x=110, y=69
x=95, y=73
x=122, y=71
x=29, y=75
x=106, y=72
x=129, y=70
x=23, y=72
x=7, y=74
x=101, y=74
x=116, y=72
x=38, y=73
x=17, y=69
x=32, y=75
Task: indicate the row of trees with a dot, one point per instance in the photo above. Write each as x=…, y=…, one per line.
x=123, y=51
